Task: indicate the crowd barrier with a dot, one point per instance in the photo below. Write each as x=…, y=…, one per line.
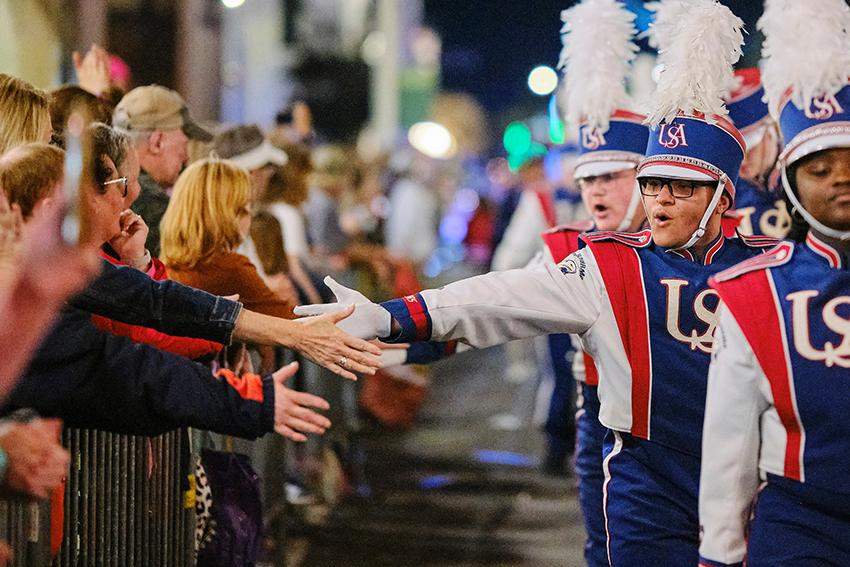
x=124, y=506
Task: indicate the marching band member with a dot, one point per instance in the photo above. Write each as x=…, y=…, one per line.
x=777, y=424
x=598, y=46
x=759, y=206
x=639, y=301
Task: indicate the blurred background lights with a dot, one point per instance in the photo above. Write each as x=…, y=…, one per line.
x=542, y=80
x=232, y=3
x=432, y=139
x=374, y=47
x=517, y=138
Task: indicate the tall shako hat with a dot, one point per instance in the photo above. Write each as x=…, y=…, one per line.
x=598, y=48
x=698, y=41
x=806, y=65
x=747, y=108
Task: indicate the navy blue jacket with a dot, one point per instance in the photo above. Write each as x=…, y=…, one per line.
x=93, y=379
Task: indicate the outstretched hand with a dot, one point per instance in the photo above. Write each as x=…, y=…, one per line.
x=324, y=341
x=293, y=416
x=368, y=321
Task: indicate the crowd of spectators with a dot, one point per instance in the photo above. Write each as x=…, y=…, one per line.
x=174, y=306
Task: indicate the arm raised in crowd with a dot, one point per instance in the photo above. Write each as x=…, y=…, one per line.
x=92, y=379
x=129, y=296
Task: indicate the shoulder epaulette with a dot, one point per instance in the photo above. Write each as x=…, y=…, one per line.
x=640, y=239
x=777, y=256
x=758, y=241
x=580, y=226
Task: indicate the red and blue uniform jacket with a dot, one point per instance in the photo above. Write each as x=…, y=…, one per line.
x=779, y=393
x=644, y=313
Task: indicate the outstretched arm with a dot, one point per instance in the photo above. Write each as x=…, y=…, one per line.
x=483, y=310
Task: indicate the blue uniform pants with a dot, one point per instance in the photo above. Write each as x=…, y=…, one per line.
x=650, y=501
x=589, y=437
x=560, y=423
x=796, y=524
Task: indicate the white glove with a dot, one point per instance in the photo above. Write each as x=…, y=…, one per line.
x=393, y=357
x=369, y=320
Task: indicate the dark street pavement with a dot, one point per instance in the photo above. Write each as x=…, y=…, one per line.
x=462, y=488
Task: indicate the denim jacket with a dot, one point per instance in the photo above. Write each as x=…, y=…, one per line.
x=93, y=379
x=129, y=296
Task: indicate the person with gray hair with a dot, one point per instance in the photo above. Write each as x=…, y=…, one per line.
x=158, y=121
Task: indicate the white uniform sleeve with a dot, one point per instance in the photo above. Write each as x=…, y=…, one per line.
x=522, y=237
x=730, y=447
x=502, y=306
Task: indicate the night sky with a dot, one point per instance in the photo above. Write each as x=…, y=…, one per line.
x=489, y=47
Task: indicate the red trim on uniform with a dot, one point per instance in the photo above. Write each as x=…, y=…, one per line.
x=752, y=300
x=547, y=206
x=636, y=239
x=591, y=373
x=759, y=240
x=561, y=243
x=729, y=225
x=628, y=116
x=621, y=271
x=248, y=386
x=418, y=316
x=712, y=252
x=780, y=254
x=823, y=249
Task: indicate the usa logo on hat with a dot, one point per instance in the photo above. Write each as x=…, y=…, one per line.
x=823, y=124
x=620, y=147
x=690, y=147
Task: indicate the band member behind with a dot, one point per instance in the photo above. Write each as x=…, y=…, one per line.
x=777, y=424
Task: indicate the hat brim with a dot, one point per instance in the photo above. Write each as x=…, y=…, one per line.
x=262, y=155
x=816, y=144
x=594, y=168
x=195, y=132
x=669, y=171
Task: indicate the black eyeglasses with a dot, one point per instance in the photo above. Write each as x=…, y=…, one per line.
x=122, y=180
x=679, y=188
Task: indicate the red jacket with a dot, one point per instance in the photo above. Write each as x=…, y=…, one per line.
x=185, y=346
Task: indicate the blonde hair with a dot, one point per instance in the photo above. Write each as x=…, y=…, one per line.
x=202, y=217
x=25, y=111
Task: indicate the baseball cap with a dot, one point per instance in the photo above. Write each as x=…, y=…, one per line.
x=152, y=107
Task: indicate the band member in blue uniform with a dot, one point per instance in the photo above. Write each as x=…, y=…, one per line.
x=640, y=301
x=777, y=424
x=759, y=205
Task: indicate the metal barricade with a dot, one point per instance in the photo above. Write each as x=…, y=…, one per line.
x=124, y=505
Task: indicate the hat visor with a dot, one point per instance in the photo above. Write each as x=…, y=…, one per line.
x=816, y=144
x=195, y=132
x=669, y=171
x=263, y=154
x=594, y=168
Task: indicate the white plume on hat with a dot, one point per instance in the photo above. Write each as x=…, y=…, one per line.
x=806, y=48
x=698, y=43
x=598, y=46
